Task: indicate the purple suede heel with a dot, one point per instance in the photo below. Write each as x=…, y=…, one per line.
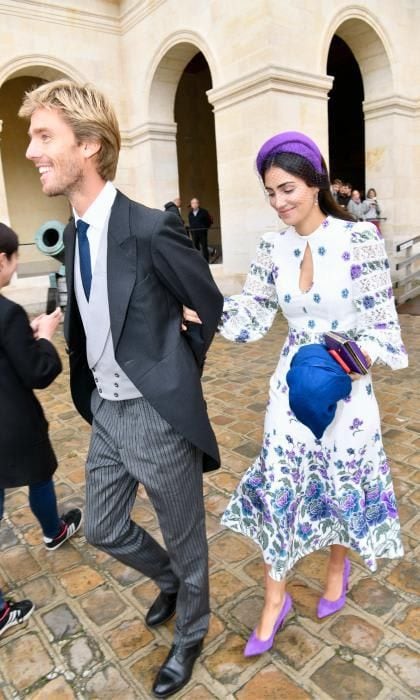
x=256, y=646
x=329, y=607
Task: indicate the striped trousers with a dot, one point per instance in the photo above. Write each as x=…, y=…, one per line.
x=132, y=444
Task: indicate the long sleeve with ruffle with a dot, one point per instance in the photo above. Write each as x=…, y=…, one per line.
x=378, y=329
x=248, y=316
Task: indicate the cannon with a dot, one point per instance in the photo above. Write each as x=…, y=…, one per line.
x=49, y=241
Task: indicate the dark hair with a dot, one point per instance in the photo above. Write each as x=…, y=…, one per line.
x=371, y=189
x=9, y=242
x=300, y=167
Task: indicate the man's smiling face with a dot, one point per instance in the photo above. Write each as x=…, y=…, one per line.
x=55, y=152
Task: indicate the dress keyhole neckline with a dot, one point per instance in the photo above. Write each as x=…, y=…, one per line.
x=306, y=275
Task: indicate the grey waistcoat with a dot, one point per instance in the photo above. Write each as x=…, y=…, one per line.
x=111, y=382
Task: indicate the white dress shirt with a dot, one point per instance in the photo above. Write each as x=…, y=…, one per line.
x=97, y=216
x=111, y=382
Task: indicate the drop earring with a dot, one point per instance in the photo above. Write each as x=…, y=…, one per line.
x=316, y=199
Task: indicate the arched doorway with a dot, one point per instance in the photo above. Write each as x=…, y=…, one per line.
x=196, y=144
x=346, y=125
x=178, y=141
x=27, y=207
x=363, y=49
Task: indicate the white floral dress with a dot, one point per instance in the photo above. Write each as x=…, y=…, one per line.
x=302, y=494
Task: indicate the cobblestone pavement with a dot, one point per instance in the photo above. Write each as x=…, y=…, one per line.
x=87, y=637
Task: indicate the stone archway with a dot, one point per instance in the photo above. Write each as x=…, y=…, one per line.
x=22, y=203
x=178, y=89
x=372, y=54
x=346, y=124
x=196, y=145
x=39, y=66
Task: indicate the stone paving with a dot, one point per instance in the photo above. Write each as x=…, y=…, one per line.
x=87, y=637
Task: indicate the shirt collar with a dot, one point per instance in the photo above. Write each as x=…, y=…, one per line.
x=98, y=212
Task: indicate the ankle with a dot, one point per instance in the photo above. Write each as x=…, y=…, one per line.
x=274, y=603
x=336, y=566
x=59, y=533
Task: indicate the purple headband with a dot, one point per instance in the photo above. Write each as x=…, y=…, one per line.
x=291, y=142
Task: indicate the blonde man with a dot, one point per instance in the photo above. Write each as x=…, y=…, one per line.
x=133, y=375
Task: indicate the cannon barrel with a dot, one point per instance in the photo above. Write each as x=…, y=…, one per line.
x=49, y=240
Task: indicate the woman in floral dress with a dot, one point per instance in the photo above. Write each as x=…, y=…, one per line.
x=325, y=272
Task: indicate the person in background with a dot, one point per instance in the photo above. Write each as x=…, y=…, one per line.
x=174, y=206
x=344, y=194
x=199, y=221
x=374, y=211
x=335, y=188
x=28, y=361
x=356, y=207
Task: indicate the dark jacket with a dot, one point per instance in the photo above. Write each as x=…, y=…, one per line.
x=26, y=455
x=152, y=271
x=343, y=199
x=201, y=220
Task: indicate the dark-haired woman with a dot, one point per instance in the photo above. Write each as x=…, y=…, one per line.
x=325, y=272
x=26, y=456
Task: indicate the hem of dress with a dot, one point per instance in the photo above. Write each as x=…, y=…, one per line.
x=277, y=576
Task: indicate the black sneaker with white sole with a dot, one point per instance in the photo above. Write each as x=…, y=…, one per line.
x=71, y=523
x=15, y=613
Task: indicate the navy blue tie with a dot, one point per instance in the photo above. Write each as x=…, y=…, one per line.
x=84, y=256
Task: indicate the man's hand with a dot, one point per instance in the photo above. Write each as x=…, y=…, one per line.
x=189, y=316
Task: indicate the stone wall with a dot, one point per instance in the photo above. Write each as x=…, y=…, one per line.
x=267, y=61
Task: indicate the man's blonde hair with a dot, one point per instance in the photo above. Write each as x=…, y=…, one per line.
x=87, y=111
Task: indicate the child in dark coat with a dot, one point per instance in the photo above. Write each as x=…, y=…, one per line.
x=28, y=361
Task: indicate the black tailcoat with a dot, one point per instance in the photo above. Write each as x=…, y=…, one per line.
x=152, y=271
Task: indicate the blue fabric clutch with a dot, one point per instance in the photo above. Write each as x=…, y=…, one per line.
x=316, y=382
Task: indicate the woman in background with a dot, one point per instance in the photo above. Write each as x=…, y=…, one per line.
x=374, y=211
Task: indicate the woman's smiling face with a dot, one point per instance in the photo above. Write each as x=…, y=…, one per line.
x=293, y=200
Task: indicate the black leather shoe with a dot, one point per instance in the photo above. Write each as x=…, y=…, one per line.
x=176, y=670
x=162, y=609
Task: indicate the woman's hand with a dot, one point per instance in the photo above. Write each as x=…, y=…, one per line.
x=189, y=316
x=355, y=375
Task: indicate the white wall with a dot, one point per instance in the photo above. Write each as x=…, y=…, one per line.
x=268, y=61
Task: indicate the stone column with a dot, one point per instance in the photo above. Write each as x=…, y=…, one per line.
x=392, y=131
x=154, y=162
x=4, y=211
x=247, y=112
